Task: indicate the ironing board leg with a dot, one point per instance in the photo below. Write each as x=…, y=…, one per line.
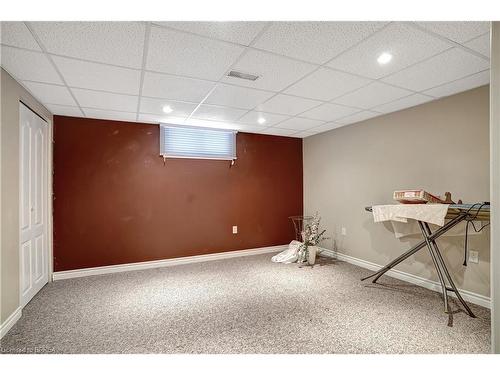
x=431, y=248
x=447, y=273
x=415, y=248
x=395, y=262
x=437, y=258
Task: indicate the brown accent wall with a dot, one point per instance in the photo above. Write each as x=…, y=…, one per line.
x=116, y=202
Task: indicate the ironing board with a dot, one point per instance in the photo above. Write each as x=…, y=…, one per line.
x=456, y=214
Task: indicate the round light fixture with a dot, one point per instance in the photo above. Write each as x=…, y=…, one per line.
x=384, y=58
x=167, y=109
x=261, y=120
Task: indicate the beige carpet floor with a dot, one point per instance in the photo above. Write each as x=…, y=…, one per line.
x=243, y=305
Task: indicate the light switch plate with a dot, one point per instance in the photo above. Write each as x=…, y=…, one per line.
x=344, y=231
x=235, y=229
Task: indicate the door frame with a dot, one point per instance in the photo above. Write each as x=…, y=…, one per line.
x=495, y=185
x=48, y=196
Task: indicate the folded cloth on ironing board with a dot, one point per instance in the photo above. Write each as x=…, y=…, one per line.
x=429, y=213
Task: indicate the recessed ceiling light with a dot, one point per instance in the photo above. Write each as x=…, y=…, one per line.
x=167, y=109
x=261, y=120
x=384, y=58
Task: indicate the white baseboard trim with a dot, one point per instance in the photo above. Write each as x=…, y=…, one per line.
x=472, y=297
x=61, y=275
x=10, y=321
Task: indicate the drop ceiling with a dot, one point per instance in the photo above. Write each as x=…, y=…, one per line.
x=313, y=76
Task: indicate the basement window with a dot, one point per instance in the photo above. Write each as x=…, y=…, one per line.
x=197, y=143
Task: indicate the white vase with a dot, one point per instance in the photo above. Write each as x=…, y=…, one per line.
x=311, y=256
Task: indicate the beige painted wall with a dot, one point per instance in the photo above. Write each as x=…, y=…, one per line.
x=438, y=146
x=11, y=93
x=495, y=184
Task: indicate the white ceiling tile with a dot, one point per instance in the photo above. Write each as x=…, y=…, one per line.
x=175, y=88
x=374, y=94
x=52, y=94
x=407, y=102
x=179, y=53
x=235, y=32
x=275, y=72
x=458, y=31
x=406, y=44
x=109, y=115
x=304, y=134
x=317, y=42
x=249, y=128
x=119, y=43
x=208, y=49
x=329, y=112
x=149, y=118
x=239, y=97
x=17, y=34
x=211, y=124
x=480, y=44
x=253, y=117
x=278, y=131
x=28, y=65
x=155, y=106
x=299, y=123
x=105, y=100
x=467, y=83
x=218, y=113
x=326, y=84
x=64, y=110
x=325, y=127
x=445, y=67
x=287, y=105
x=98, y=77
x=157, y=118
x=357, y=117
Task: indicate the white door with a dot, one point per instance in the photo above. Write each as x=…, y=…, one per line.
x=34, y=254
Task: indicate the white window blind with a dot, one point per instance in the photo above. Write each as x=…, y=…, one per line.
x=197, y=143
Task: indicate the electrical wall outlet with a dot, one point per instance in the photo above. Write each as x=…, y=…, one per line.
x=235, y=229
x=344, y=231
x=473, y=256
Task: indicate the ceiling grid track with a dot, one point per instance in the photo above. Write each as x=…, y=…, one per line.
x=261, y=50
x=243, y=53
x=447, y=40
x=145, y=51
x=44, y=50
x=307, y=75
x=331, y=101
x=475, y=74
x=413, y=92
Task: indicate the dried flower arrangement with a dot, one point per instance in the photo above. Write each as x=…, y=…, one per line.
x=311, y=236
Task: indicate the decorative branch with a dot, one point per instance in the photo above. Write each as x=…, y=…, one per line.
x=311, y=237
